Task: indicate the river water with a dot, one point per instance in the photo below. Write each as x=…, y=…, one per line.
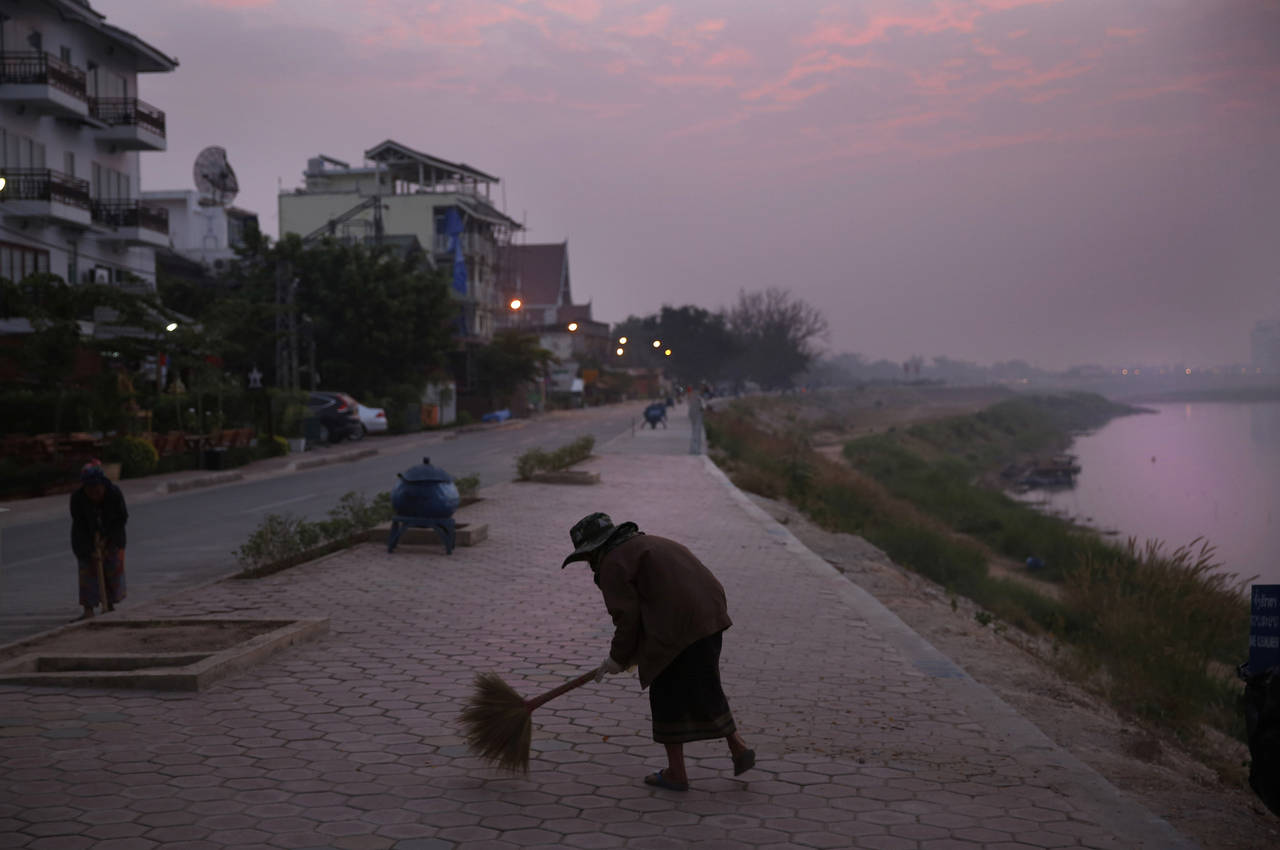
x=1207, y=470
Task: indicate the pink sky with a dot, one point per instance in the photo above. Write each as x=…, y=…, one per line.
x=1060, y=180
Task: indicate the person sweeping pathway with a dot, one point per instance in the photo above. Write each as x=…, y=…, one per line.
x=669, y=614
x=98, y=518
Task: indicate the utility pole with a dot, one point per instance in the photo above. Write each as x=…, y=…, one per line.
x=282, y=360
x=295, y=379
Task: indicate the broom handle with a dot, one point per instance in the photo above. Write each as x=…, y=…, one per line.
x=563, y=689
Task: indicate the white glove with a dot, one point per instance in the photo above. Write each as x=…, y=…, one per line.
x=608, y=668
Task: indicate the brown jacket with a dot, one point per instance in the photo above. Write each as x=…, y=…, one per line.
x=662, y=599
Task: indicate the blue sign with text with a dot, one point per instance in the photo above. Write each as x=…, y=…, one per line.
x=1264, y=627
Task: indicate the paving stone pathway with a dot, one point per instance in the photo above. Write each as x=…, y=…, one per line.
x=867, y=737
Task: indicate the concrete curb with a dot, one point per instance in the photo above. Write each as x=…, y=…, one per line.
x=1117, y=810
x=203, y=481
x=299, y=465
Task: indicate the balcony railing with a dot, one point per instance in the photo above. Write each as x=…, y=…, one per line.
x=42, y=69
x=131, y=214
x=45, y=184
x=116, y=111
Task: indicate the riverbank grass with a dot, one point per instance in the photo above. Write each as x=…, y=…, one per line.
x=1156, y=631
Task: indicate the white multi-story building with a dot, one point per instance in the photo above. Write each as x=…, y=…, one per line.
x=71, y=133
x=444, y=205
x=207, y=234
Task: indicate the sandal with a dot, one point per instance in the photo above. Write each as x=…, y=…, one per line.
x=743, y=762
x=663, y=782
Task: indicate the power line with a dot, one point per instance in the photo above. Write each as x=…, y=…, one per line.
x=79, y=254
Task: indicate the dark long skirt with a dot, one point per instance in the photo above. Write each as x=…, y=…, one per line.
x=686, y=699
x=113, y=571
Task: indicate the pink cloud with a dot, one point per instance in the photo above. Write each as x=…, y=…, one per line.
x=695, y=81
x=711, y=25
x=819, y=63
x=582, y=11
x=1126, y=34
x=239, y=4
x=942, y=16
x=729, y=57
x=654, y=22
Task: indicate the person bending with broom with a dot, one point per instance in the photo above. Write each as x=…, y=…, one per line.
x=669, y=613
x=98, y=517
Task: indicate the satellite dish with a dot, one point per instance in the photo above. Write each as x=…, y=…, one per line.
x=214, y=178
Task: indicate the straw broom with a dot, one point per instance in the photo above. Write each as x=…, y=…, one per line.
x=498, y=722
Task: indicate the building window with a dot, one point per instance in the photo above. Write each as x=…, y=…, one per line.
x=18, y=151
x=18, y=261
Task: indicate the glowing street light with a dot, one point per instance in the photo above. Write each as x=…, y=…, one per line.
x=667, y=352
x=622, y=340
x=2, y=182
x=657, y=343
x=171, y=327
x=619, y=352
x=573, y=326
x=516, y=304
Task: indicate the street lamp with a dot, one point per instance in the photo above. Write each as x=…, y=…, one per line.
x=516, y=304
x=573, y=326
x=667, y=352
x=619, y=352
x=622, y=340
x=657, y=343
x=171, y=327
x=2, y=182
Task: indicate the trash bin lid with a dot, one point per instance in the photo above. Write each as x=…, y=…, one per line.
x=425, y=473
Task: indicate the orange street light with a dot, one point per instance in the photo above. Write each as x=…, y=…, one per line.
x=622, y=340
x=667, y=352
x=573, y=326
x=516, y=304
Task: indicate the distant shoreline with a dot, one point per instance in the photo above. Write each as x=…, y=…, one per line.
x=1225, y=394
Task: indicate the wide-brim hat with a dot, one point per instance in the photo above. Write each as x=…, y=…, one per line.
x=589, y=534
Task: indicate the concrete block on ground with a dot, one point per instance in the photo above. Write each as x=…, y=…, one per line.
x=467, y=534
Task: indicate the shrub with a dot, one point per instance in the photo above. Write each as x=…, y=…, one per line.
x=17, y=481
x=137, y=456
x=531, y=462
x=537, y=460
x=281, y=538
x=273, y=447
x=467, y=485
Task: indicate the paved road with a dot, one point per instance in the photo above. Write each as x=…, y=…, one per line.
x=185, y=539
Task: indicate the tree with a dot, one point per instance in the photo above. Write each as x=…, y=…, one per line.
x=509, y=361
x=380, y=322
x=777, y=333
x=50, y=356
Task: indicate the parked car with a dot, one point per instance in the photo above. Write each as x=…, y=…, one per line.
x=372, y=419
x=337, y=416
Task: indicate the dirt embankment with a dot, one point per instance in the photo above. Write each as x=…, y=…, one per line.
x=1206, y=802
